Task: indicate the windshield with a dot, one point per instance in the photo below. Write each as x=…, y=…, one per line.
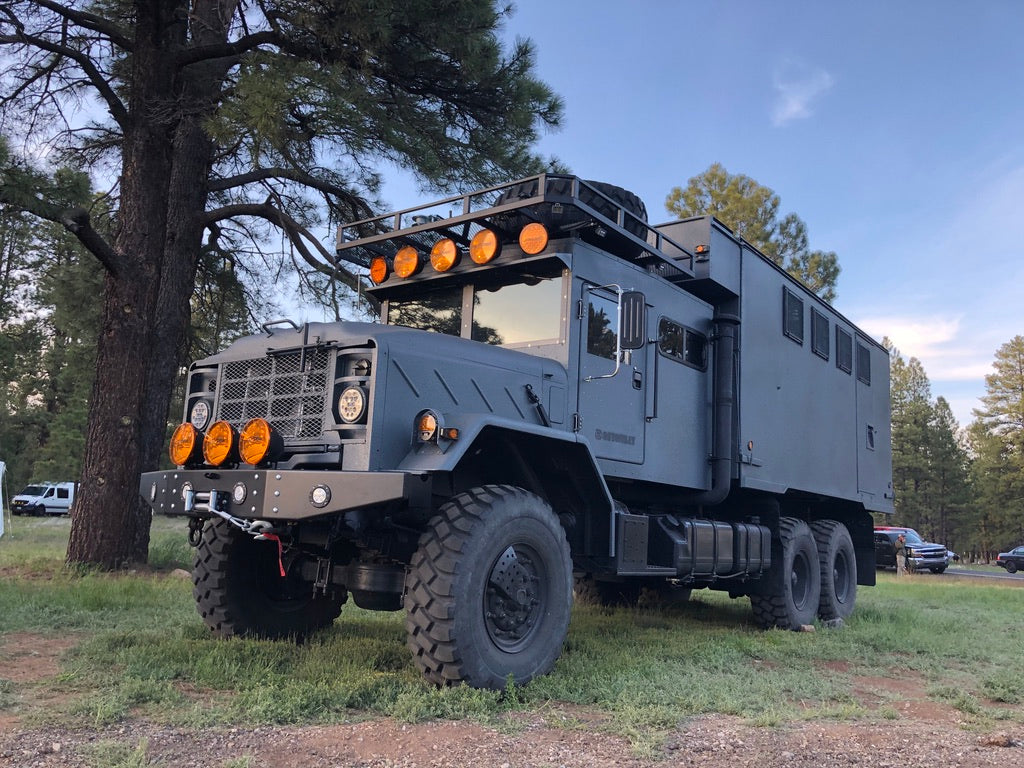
x=33, y=490
x=913, y=538
x=511, y=314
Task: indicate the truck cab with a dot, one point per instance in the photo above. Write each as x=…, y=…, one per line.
x=558, y=394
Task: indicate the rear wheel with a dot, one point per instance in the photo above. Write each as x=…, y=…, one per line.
x=798, y=585
x=489, y=590
x=239, y=590
x=1011, y=567
x=838, y=565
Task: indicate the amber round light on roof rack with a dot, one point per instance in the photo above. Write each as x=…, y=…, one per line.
x=533, y=238
x=484, y=246
x=444, y=255
x=407, y=261
x=378, y=270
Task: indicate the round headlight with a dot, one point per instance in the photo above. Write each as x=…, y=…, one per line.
x=352, y=404
x=199, y=416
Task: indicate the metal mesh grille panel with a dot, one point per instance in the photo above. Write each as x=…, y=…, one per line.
x=288, y=391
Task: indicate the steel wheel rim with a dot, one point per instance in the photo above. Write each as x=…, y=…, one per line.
x=514, y=601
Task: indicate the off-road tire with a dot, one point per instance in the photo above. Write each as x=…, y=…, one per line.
x=798, y=586
x=489, y=590
x=238, y=588
x=838, y=563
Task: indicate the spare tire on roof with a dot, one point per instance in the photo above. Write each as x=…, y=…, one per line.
x=623, y=197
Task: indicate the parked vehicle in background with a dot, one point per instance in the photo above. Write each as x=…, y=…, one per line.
x=921, y=554
x=44, y=499
x=1012, y=561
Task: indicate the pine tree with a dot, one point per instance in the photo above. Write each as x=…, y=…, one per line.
x=751, y=210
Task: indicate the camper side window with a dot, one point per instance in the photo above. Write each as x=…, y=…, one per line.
x=62, y=493
x=682, y=344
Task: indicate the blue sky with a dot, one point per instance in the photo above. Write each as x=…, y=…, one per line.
x=895, y=130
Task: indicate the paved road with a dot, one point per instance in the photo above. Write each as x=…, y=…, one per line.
x=999, y=576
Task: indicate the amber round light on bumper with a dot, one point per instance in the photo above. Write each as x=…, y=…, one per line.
x=533, y=238
x=220, y=443
x=185, y=445
x=255, y=441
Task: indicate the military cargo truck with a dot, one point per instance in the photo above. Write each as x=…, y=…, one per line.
x=557, y=390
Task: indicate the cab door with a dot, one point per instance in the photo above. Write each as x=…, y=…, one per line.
x=611, y=398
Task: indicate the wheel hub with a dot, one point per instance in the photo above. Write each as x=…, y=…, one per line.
x=512, y=602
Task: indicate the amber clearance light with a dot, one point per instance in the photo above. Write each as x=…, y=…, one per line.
x=484, y=246
x=258, y=441
x=533, y=238
x=220, y=443
x=185, y=445
x=444, y=255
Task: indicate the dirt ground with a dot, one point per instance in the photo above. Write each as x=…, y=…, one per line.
x=924, y=733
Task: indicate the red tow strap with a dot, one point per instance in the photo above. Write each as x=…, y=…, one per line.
x=280, y=550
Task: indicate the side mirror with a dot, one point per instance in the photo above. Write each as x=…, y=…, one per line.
x=633, y=331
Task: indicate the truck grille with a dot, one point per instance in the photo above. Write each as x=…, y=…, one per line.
x=288, y=390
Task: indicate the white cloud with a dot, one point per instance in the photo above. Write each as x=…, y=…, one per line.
x=796, y=87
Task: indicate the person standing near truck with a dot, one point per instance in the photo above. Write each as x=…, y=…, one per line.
x=901, y=555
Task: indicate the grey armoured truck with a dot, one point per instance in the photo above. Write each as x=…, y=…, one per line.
x=559, y=398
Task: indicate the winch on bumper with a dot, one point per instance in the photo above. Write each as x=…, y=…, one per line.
x=269, y=494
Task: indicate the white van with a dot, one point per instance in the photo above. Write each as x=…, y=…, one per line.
x=44, y=499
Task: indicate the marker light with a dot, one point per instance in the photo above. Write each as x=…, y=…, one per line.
x=533, y=238
x=185, y=445
x=378, y=270
x=256, y=441
x=484, y=246
x=426, y=426
x=444, y=255
x=220, y=443
x=407, y=262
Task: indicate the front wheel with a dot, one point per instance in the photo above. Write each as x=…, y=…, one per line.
x=489, y=590
x=938, y=569
x=798, y=586
x=239, y=590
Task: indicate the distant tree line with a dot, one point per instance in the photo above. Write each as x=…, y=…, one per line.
x=960, y=487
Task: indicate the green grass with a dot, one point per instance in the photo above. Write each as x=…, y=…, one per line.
x=142, y=651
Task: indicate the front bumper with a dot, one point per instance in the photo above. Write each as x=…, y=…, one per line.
x=920, y=563
x=269, y=494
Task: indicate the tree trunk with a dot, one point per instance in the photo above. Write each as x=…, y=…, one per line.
x=166, y=162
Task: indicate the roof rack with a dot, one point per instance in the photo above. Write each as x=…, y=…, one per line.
x=566, y=204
